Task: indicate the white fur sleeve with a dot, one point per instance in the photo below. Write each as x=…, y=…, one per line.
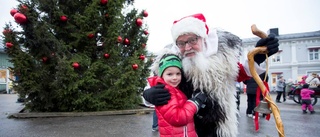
x=260, y=69
x=146, y=103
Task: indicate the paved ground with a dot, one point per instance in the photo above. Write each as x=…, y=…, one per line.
x=295, y=123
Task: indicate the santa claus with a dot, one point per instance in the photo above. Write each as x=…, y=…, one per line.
x=211, y=65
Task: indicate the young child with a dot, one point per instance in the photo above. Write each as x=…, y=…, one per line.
x=176, y=117
x=306, y=99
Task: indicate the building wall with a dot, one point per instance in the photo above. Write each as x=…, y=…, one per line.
x=4, y=72
x=4, y=63
x=294, y=56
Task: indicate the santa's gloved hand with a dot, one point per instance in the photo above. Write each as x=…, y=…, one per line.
x=199, y=98
x=157, y=95
x=272, y=46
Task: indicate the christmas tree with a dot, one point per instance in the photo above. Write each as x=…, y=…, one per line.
x=86, y=55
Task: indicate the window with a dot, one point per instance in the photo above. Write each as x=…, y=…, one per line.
x=314, y=53
x=276, y=58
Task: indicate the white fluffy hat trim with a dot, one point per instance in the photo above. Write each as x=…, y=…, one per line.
x=211, y=43
x=191, y=24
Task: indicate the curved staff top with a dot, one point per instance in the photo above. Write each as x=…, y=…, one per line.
x=263, y=50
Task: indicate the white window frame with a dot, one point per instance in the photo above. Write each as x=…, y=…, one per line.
x=276, y=58
x=314, y=52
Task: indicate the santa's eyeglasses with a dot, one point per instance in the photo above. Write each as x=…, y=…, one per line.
x=191, y=41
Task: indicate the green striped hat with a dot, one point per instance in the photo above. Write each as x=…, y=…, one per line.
x=169, y=60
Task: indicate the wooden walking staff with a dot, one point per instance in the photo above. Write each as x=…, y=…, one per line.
x=263, y=50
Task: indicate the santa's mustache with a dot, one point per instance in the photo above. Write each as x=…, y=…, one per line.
x=187, y=52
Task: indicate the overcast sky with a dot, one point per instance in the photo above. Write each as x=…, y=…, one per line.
x=236, y=16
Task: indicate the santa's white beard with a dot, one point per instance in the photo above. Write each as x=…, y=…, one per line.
x=216, y=76
x=195, y=65
x=208, y=72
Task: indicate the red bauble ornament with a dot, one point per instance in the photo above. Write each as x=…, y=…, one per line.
x=13, y=11
x=143, y=45
x=63, y=18
x=20, y=18
x=126, y=41
x=23, y=8
x=145, y=13
x=6, y=31
x=44, y=59
x=135, y=66
x=90, y=36
x=75, y=65
x=106, y=55
x=103, y=2
x=142, y=57
x=9, y=44
x=107, y=15
x=119, y=39
x=145, y=32
x=139, y=22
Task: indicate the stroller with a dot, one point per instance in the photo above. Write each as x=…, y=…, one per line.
x=294, y=94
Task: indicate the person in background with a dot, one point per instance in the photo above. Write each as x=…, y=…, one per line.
x=154, y=121
x=313, y=80
x=289, y=87
x=279, y=88
x=10, y=87
x=303, y=80
x=284, y=91
x=252, y=94
x=306, y=99
x=176, y=117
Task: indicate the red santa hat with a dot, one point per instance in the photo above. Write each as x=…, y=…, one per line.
x=190, y=24
x=196, y=24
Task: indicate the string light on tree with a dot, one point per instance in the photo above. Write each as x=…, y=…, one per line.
x=99, y=40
